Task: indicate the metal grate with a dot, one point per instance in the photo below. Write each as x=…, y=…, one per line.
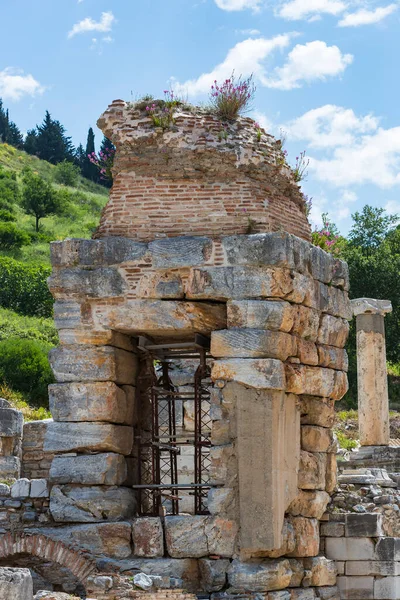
x=159, y=449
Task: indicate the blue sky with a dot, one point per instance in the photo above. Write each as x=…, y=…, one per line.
x=326, y=73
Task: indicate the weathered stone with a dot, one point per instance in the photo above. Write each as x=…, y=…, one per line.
x=247, y=343
x=11, y=422
x=332, y=529
x=222, y=501
x=89, y=336
x=269, y=249
x=223, y=466
x=317, y=439
x=387, y=588
x=272, y=315
x=297, y=573
x=322, y=571
x=39, y=488
x=10, y=466
x=317, y=411
x=163, y=317
x=288, y=543
x=331, y=300
x=91, y=363
x=356, y=588
x=263, y=373
x=333, y=358
x=306, y=535
x=388, y=548
x=310, y=504
x=374, y=568
x=302, y=594
x=281, y=595
x=350, y=548
x=364, y=525
x=107, y=251
x=168, y=285
x=221, y=536
x=90, y=469
x=148, y=537
x=315, y=381
x=4, y=489
x=187, y=251
x=21, y=488
x=331, y=472
x=102, y=401
x=68, y=314
x=95, y=437
x=312, y=470
x=101, y=282
x=259, y=575
x=213, y=574
x=329, y=593
x=185, y=536
x=15, y=584
x=306, y=322
x=333, y=331
x=71, y=504
x=371, y=306
x=307, y=352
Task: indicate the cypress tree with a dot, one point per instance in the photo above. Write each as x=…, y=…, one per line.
x=52, y=144
x=9, y=132
x=89, y=170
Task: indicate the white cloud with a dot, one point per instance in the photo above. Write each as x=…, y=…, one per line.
x=329, y=126
x=233, y=5
x=308, y=62
x=263, y=121
x=392, y=207
x=367, y=17
x=304, y=9
x=104, y=25
x=14, y=84
x=244, y=58
x=248, y=32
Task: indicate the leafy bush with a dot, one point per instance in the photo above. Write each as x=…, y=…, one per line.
x=67, y=173
x=232, y=97
x=17, y=400
x=34, y=328
x=25, y=367
x=6, y=215
x=9, y=189
x=23, y=288
x=12, y=238
x=39, y=198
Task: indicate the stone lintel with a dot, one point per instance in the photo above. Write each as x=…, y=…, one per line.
x=371, y=306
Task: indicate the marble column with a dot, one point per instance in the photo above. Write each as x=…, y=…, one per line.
x=373, y=399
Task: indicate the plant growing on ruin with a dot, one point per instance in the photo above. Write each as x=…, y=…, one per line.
x=162, y=112
x=104, y=161
x=300, y=169
x=258, y=131
x=327, y=237
x=232, y=97
x=307, y=204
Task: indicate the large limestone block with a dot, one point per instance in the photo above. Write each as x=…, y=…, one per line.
x=387, y=588
x=315, y=410
x=68, y=314
x=322, y=571
x=312, y=470
x=106, y=251
x=333, y=358
x=94, y=437
x=163, y=317
x=307, y=352
x=374, y=568
x=223, y=465
x=185, y=569
x=10, y=467
x=317, y=439
x=15, y=584
x=306, y=536
x=306, y=322
x=11, y=422
x=148, y=537
x=247, y=343
x=333, y=331
x=309, y=503
x=273, y=315
x=102, y=401
x=197, y=536
x=222, y=501
x=101, y=282
x=350, y=548
x=166, y=285
x=263, y=373
x=213, y=574
x=221, y=536
x=91, y=363
x=185, y=251
x=259, y=575
x=75, y=504
x=288, y=543
x=315, y=381
x=364, y=525
x=331, y=300
x=357, y=588
x=275, y=249
x=90, y=469
x=95, y=337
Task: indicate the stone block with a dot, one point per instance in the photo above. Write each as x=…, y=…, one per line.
x=213, y=574
x=148, y=537
x=311, y=504
x=15, y=584
x=297, y=573
x=4, y=490
x=388, y=549
x=333, y=331
x=221, y=536
x=222, y=501
x=307, y=352
x=185, y=251
x=322, y=571
x=111, y=250
x=89, y=469
x=374, y=568
x=306, y=322
x=387, y=588
x=306, y=536
x=356, y=588
x=331, y=472
x=241, y=282
x=257, y=343
x=11, y=422
x=259, y=575
x=166, y=285
x=101, y=401
x=90, y=504
x=364, y=525
x=101, y=282
x=95, y=337
x=302, y=594
x=350, y=548
x=272, y=315
x=312, y=470
x=269, y=249
x=39, y=488
x=10, y=467
x=332, y=529
x=185, y=536
x=21, y=488
x=315, y=410
x=288, y=543
x=94, y=437
x=317, y=439
x=185, y=571
x=281, y=595
x=163, y=317
x=91, y=363
x=329, y=593
x=315, y=381
x=68, y=314
x=263, y=373
x=333, y=358
x=223, y=465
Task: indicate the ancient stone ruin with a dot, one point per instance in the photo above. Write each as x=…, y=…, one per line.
x=201, y=355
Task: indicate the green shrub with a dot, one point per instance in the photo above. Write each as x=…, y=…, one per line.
x=67, y=173
x=6, y=215
x=18, y=401
x=24, y=366
x=12, y=238
x=33, y=328
x=23, y=288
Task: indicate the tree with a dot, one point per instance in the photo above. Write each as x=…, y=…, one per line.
x=90, y=170
x=370, y=228
x=80, y=156
x=51, y=143
x=30, y=144
x=39, y=199
x=67, y=173
x=9, y=132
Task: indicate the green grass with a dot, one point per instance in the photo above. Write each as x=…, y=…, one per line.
x=17, y=400
x=34, y=328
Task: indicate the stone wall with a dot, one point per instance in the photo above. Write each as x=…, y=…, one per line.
x=35, y=461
